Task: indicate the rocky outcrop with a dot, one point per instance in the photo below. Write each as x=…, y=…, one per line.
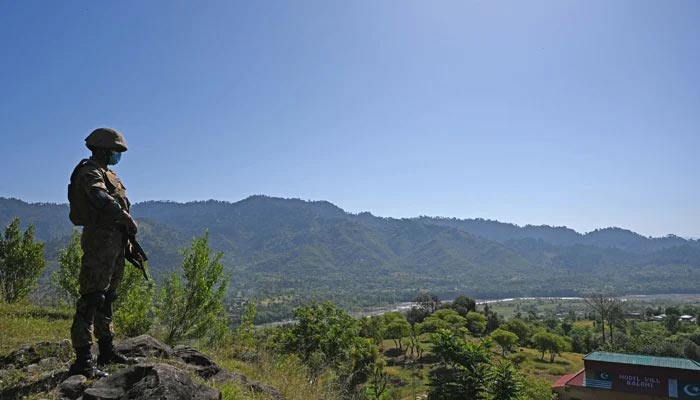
x=35, y=353
x=144, y=346
x=162, y=372
x=72, y=388
x=150, y=381
x=34, y=368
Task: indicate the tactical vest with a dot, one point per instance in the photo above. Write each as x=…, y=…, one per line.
x=81, y=212
x=116, y=189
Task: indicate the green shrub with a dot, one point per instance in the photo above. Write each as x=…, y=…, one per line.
x=191, y=306
x=133, y=314
x=21, y=262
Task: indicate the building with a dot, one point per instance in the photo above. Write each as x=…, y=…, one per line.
x=615, y=376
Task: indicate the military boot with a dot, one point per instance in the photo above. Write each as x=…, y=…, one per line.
x=109, y=355
x=83, y=364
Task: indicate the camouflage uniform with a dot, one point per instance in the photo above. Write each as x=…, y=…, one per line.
x=98, y=202
x=104, y=246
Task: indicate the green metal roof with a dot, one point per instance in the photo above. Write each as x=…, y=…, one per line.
x=636, y=359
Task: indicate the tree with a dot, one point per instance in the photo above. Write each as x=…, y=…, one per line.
x=504, y=339
x=476, y=323
x=672, y=322
x=602, y=304
x=462, y=305
x=396, y=328
x=443, y=319
x=65, y=279
x=244, y=333
x=582, y=339
x=192, y=306
x=428, y=301
x=536, y=389
x=520, y=328
x=492, y=322
x=550, y=342
x=323, y=332
x=21, y=262
x=373, y=328
x=616, y=318
x=416, y=315
x=462, y=374
x=326, y=336
x=378, y=382
x=504, y=382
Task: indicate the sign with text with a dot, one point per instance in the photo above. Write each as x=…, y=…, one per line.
x=640, y=383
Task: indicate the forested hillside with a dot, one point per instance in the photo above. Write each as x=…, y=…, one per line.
x=285, y=251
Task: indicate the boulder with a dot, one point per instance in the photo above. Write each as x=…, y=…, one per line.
x=258, y=387
x=42, y=383
x=144, y=346
x=33, y=353
x=149, y=382
x=202, y=365
x=71, y=388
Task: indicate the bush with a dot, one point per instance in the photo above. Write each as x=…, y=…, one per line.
x=21, y=262
x=191, y=306
x=65, y=279
x=326, y=338
x=133, y=314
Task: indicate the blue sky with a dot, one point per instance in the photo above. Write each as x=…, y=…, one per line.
x=576, y=113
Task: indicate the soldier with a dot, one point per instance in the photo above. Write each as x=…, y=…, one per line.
x=98, y=202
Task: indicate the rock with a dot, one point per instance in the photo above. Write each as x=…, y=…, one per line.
x=32, y=368
x=192, y=356
x=224, y=376
x=149, y=381
x=144, y=346
x=50, y=362
x=254, y=386
x=145, y=380
x=33, y=353
x=45, y=382
x=269, y=390
x=71, y=388
x=202, y=365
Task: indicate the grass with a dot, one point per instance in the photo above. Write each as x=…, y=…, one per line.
x=530, y=363
x=286, y=373
x=26, y=323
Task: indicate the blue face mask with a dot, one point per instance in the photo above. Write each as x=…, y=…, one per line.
x=114, y=158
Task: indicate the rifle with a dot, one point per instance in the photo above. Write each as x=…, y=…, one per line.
x=137, y=250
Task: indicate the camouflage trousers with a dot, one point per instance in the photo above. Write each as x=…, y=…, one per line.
x=100, y=273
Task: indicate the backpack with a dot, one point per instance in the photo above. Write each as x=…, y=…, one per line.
x=78, y=201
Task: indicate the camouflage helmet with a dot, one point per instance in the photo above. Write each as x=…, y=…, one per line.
x=106, y=138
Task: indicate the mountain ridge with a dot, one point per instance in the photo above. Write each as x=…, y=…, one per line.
x=283, y=251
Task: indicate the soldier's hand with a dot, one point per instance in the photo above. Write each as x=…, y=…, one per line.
x=130, y=224
x=135, y=255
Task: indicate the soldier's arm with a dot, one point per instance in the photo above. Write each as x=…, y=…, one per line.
x=96, y=190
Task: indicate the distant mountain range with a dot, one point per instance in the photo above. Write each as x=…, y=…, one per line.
x=284, y=251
